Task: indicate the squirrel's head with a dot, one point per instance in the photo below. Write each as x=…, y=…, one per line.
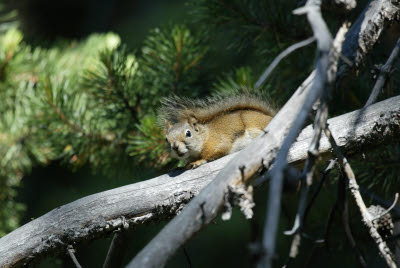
x=184, y=138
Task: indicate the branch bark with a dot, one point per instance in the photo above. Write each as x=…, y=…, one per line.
x=160, y=198
x=384, y=73
x=366, y=31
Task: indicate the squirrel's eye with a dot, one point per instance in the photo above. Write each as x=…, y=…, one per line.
x=188, y=134
x=166, y=140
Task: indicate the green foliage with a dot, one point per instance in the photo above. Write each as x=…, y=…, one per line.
x=171, y=62
x=379, y=169
x=115, y=84
x=150, y=144
x=8, y=16
x=258, y=23
x=45, y=113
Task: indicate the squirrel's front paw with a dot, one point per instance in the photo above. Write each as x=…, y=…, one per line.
x=195, y=164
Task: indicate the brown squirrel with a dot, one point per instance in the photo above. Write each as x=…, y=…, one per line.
x=200, y=131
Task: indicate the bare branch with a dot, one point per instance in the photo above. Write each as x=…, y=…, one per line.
x=384, y=73
x=280, y=57
x=343, y=207
x=324, y=43
x=71, y=253
x=395, y=211
x=366, y=216
x=325, y=174
x=187, y=257
x=319, y=126
x=366, y=31
x=396, y=198
x=117, y=250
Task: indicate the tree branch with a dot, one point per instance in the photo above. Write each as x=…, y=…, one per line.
x=343, y=207
x=366, y=31
x=384, y=73
x=161, y=198
x=280, y=57
x=354, y=190
x=324, y=45
x=117, y=249
x=71, y=253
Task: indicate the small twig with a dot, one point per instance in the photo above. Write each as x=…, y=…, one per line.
x=344, y=211
x=354, y=190
x=329, y=224
x=280, y=57
x=346, y=60
x=384, y=72
x=117, y=250
x=71, y=253
x=395, y=211
x=187, y=257
x=396, y=198
x=325, y=174
x=325, y=237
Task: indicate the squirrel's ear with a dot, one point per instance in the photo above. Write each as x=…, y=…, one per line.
x=193, y=121
x=167, y=125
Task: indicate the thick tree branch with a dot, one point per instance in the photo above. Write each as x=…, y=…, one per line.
x=366, y=31
x=160, y=198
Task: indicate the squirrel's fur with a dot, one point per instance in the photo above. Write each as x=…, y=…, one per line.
x=176, y=109
x=204, y=130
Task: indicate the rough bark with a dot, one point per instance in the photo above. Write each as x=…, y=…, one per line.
x=366, y=31
x=162, y=197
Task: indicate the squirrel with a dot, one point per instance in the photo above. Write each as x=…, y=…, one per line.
x=200, y=131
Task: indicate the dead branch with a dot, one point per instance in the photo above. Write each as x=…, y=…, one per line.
x=325, y=174
x=395, y=211
x=384, y=73
x=71, y=253
x=280, y=57
x=354, y=190
x=366, y=31
x=324, y=44
x=117, y=249
x=343, y=206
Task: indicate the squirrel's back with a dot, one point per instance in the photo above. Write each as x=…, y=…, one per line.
x=176, y=109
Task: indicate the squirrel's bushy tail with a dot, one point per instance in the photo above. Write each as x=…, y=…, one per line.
x=176, y=109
